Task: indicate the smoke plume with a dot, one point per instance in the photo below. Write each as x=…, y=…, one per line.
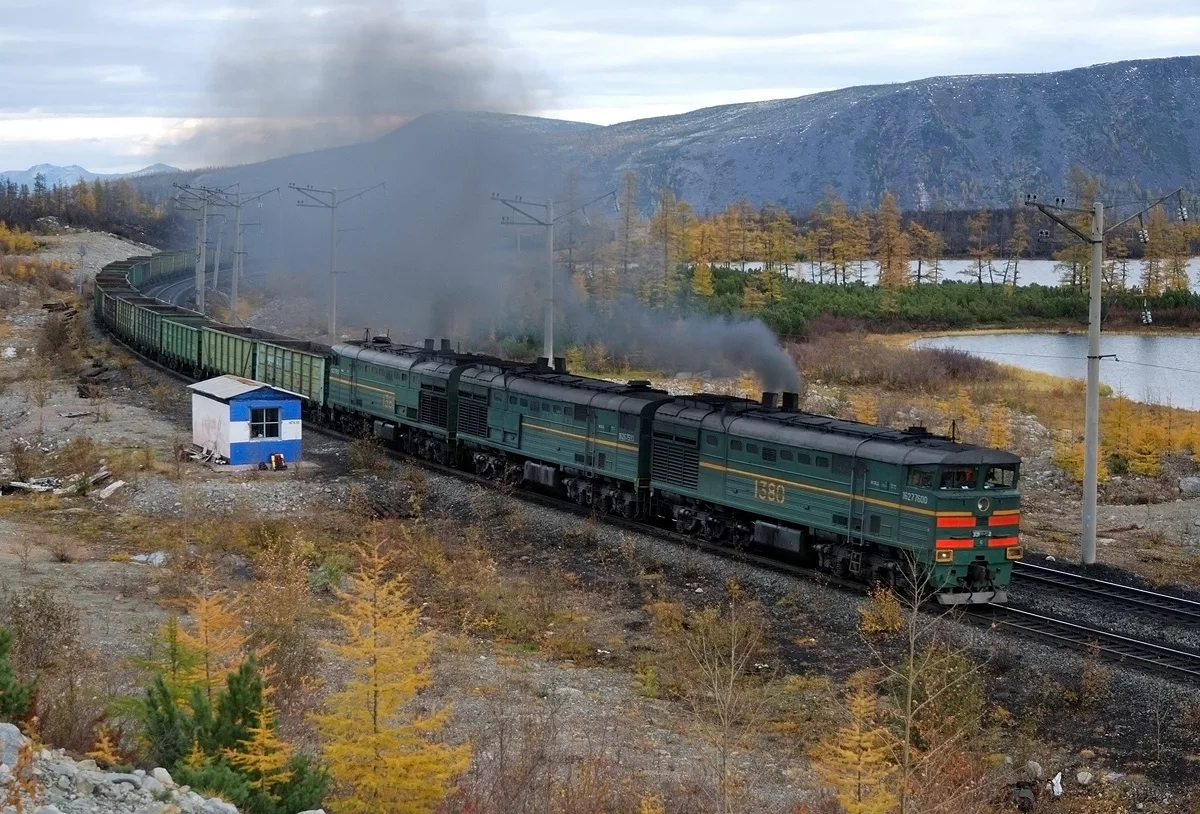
x=292, y=77
x=427, y=256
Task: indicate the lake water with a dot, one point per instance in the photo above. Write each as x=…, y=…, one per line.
x=1155, y=369
x=1042, y=272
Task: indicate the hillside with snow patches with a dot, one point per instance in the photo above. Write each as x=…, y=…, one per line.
x=71, y=174
x=947, y=141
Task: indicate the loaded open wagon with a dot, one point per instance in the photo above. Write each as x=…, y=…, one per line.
x=225, y=349
x=181, y=340
x=295, y=365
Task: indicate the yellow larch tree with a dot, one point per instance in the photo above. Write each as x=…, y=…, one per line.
x=216, y=640
x=891, y=244
x=263, y=757
x=856, y=761
x=378, y=752
x=926, y=247
x=702, y=280
x=866, y=408
x=998, y=432
x=965, y=412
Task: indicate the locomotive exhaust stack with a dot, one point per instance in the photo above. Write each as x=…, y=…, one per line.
x=791, y=401
x=446, y=347
x=768, y=399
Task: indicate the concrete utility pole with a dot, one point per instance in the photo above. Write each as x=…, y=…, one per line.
x=238, y=200
x=1091, y=433
x=199, y=199
x=217, y=256
x=547, y=222
x=329, y=199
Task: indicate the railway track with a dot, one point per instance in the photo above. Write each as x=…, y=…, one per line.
x=1143, y=655
x=1138, y=600
x=1147, y=656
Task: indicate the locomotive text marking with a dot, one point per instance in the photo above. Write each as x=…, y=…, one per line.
x=769, y=491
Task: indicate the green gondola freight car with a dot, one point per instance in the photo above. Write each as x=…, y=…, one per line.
x=224, y=349
x=129, y=311
x=147, y=327
x=181, y=340
x=294, y=365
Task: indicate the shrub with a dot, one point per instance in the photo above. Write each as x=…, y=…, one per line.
x=45, y=629
x=882, y=613
x=14, y=696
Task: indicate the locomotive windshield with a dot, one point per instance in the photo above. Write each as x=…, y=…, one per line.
x=958, y=477
x=1000, y=477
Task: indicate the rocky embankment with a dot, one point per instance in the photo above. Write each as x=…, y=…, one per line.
x=50, y=782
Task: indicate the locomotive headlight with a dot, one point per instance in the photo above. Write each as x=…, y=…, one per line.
x=944, y=555
x=1014, y=552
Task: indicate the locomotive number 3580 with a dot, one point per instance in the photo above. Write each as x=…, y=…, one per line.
x=769, y=491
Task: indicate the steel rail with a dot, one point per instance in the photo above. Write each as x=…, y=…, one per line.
x=1110, y=646
x=1140, y=600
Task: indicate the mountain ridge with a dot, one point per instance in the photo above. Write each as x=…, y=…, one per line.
x=71, y=173
x=951, y=141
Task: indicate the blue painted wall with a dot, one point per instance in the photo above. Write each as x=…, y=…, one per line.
x=260, y=451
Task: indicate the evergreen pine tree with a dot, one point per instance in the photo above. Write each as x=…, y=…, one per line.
x=14, y=696
x=167, y=728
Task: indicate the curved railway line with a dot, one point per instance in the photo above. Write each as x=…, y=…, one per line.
x=1142, y=655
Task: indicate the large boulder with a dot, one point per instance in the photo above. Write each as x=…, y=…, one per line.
x=11, y=741
x=1190, y=486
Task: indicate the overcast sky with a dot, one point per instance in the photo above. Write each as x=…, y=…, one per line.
x=114, y=86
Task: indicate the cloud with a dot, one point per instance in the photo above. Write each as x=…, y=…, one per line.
x=176, y=59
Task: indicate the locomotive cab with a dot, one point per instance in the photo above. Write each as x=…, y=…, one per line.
x=974, y=510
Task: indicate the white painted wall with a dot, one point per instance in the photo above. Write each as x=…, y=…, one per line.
x=210, y=424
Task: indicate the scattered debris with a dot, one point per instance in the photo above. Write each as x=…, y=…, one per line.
x=36, y=485
x=107, y=491
x=154, y=558
x=81, y=414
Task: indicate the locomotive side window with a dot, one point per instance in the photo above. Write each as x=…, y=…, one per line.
x=768, y=454
x=1000, y=477
x=785, y=454
x=958, y=477
x=735, y=446
x=803, y=458
x=524, y=402
x=711, y=440
x=628, y=423
x=920, y=478
x=822, y=462
x=752, y=449
x=557, y=409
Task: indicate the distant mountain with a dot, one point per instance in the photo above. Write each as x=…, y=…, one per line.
x=70, y=174
x=960, y=140
x=947, y=141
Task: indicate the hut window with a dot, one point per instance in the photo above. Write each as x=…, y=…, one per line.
x=264, y=422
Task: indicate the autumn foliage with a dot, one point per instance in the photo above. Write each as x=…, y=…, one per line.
x=379, y=750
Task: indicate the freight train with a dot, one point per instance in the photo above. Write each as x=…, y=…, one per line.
x=856, y=500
